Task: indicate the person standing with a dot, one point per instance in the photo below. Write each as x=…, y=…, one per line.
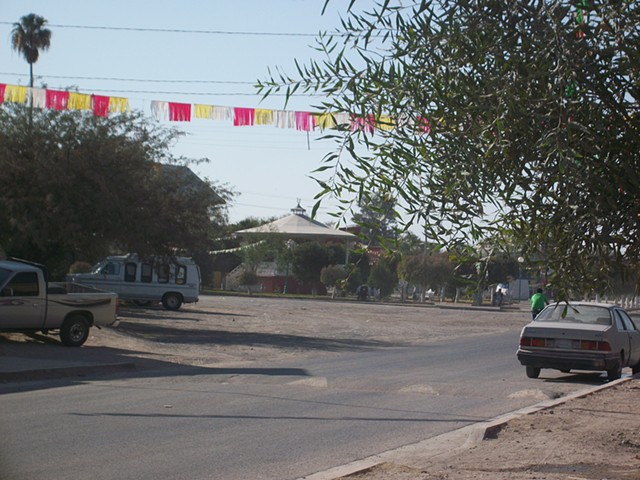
x=538, y=302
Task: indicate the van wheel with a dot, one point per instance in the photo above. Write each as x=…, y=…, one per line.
x=171, y=301
x=74, y=331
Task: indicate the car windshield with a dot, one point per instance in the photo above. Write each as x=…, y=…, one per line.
x=575, y=314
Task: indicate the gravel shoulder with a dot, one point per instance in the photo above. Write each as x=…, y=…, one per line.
x=593, y=437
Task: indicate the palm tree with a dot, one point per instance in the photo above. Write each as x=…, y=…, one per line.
x=28, y=37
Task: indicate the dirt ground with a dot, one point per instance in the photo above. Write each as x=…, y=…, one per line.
x=594, y=437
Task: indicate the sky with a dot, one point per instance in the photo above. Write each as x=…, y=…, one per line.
x=207, y=52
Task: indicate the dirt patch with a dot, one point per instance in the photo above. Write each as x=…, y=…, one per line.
x=594, y=437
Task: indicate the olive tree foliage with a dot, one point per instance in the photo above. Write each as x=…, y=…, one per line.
x=76, y=187
x=334, y=277
x=383, y=276
x=376, y=217
x=307, y=261
x=510, y=119
x=428, y=270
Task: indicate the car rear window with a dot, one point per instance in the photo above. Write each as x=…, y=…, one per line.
x=575, y=314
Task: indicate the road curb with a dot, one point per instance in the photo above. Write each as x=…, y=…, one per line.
x=417, y=454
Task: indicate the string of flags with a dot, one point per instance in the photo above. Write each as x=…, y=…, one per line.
x=63, y=100
x=102, y=106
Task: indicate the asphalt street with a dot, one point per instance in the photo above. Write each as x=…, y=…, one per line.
x=270, y=421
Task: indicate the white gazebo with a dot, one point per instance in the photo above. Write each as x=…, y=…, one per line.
x=297, y=225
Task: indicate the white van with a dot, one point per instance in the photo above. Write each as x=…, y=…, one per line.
x=172, y=282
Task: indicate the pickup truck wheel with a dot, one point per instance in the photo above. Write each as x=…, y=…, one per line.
x=74, y=331
x=533, y=372
x=171, y=301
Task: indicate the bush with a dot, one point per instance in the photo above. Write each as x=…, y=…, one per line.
x=248, y=278
x=80, y=267
x=383, y=278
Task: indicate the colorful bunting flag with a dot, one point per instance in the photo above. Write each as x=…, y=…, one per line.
x=102, y=105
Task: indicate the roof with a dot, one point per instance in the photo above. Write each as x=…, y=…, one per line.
x=185, y=178
x=297, y=225
x=20, y=265
x=581, y=303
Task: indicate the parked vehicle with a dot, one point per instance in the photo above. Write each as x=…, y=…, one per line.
x=580, y=336
x=170, y=281
x=29, y=303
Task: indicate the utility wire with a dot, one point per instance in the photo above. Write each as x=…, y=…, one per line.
x=141, y=80
x=206, y=94
x=351, y=34
x=176, y=30
x=161, y=92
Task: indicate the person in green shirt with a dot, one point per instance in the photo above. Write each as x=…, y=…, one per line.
x=538, y=302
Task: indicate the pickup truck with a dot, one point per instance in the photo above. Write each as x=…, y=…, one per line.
x=29, y=303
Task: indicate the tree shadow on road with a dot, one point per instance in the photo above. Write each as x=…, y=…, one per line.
x=156, y=333
x=38, y=362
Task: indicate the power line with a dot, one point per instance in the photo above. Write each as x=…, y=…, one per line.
x=351, y=34
x=141, y=80
x=205, y=93
x=176, y=30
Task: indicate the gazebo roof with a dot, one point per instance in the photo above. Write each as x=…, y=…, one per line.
x=297, y=225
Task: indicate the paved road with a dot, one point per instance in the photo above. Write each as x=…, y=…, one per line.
x=271, y=421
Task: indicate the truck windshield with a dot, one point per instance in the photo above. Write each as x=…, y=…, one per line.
x=98, y=266
x=4, y=275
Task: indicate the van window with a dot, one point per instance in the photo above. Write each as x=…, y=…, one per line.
x=146, y=273
x=24, y=284
x=181, y=275
x=130, y=272
x=163, y=273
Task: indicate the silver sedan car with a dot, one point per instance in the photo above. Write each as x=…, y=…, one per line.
x=580, y=336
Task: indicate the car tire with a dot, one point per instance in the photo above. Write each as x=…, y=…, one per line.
x=74, y=331
x=171, y=301
x=533, y=372
x=616, y=372
x=636, y=368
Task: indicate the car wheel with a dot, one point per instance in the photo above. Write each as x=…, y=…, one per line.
x=533, y=372
x=616, y=372
x=171, y=301
x=74, y=331
x=636, y=368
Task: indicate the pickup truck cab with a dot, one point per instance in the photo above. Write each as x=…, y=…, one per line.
x=29, y=303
